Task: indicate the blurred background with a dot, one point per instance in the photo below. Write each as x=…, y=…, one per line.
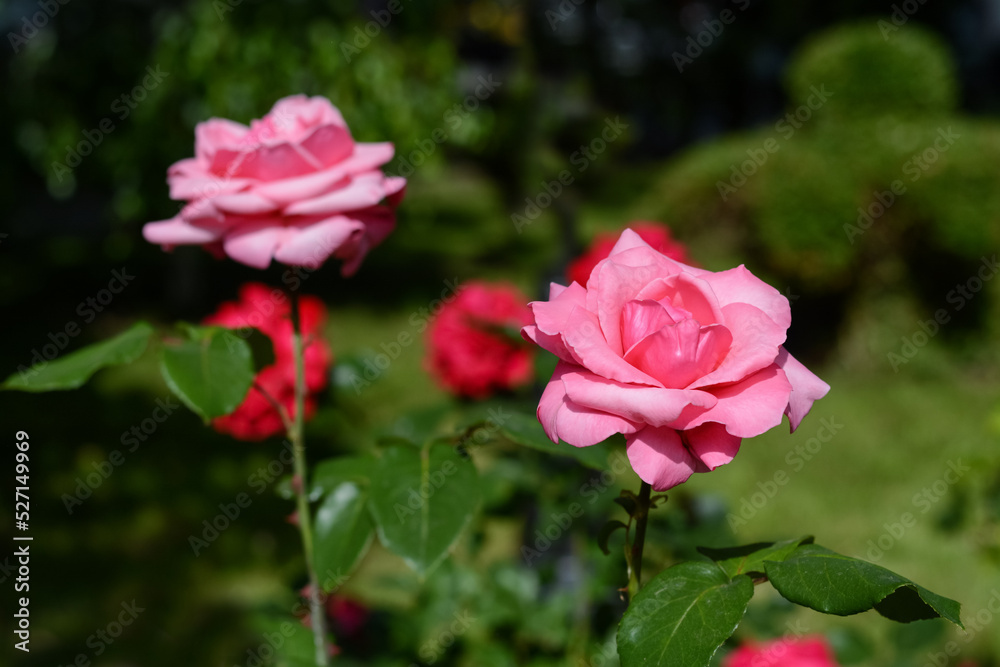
x=845, y=152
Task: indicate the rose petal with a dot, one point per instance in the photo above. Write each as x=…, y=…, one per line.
x=637, y=403
x=290, y=190
x=660, y=458
x=628, y=240
x=756, y=341
x=747, y=408
x=738, y=285
x=363, y=191
x=254, y=244
x=562, y=419
x=216, y=133
x=177, y=232
x=680, y=354
x=620, y=279
x=310, y=246
x=585, y=341
x=643, y=317
x=688, y=293
x=244, y=203
x=329, y=144
x=806, y=388
x=712, y=444
x=550, y=318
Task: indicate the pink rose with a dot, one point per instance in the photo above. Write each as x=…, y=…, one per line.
x=805, y=652
x=684, y=362
x=467, y=349
x=656, y=235
x=294, y=186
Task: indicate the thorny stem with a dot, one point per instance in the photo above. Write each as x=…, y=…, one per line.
x=316, y=612
x=640, y=517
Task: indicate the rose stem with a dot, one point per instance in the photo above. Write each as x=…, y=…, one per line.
x=641, y=515
x=316, y=611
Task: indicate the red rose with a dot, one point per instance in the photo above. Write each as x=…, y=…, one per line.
x=470, y=353
x=268, y=310
x=656, y=235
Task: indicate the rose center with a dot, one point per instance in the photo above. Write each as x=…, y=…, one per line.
x=669, y=344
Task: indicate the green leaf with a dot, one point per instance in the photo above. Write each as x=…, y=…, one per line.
x=211, y=372
x=628, y=501
x=421, y=500
x=526, y=431
x=74, y=369
x=750, y=559
x=606, y=530
x=330, y=473
x=682, y=616
x=343, y=530
x=820, y=579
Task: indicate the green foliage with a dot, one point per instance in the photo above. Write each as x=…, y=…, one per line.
x=343, y=529
x=682, y=616
x=74, y=369
x=211, y=372
x=685, y=613
x=750, y=559
x=421, y=499
x=871, y=154
x=906, y=73
x=526, y=431
x=828, y=582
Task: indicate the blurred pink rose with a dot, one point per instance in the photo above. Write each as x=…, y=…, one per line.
x=656, y=235
x=684, y=362
x=804, y=652
x=294, y=187
x=468, y=350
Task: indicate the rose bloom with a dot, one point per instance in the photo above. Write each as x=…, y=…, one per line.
x=268, y=310
x=804, y=652
x=656, y=235
x=468, y=351
x=294, y=187
x=684, y=362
